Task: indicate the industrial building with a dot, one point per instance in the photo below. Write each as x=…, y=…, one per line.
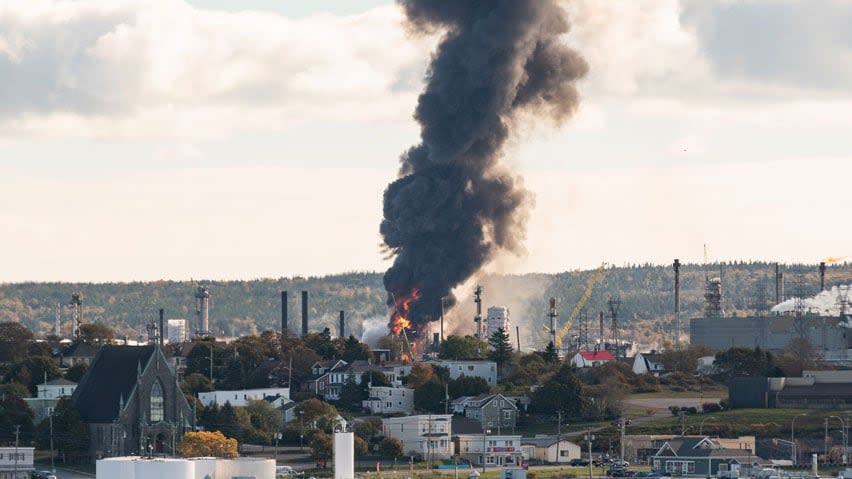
x=826, y=333
x=135, y=467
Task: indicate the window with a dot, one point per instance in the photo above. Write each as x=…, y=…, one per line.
x=492, y=443
x=507, y=414
x=470, y=368
x=156, y=402
x=563, y=453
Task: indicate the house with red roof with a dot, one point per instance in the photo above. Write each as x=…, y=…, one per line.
x=590, y=359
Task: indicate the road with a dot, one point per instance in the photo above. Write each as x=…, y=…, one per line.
x=65, y=474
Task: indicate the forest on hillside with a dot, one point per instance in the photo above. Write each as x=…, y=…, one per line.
x=248, y=307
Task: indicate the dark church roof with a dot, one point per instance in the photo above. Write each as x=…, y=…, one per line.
x=111, y=376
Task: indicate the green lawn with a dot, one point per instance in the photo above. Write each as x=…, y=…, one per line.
x=760, y=422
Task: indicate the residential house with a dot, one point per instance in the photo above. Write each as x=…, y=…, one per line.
x=131, y=402
x=640, y=448
x=396, y=371
x=701, y=456
x=491, y=450
x=423, y=435
x=389, y=400
x=590, y=359
x=47, y=395
x=486, y=370
x=330, y=377
x=648, y=363
x=16, y=462
x=241, y=397
x=78, y=353
x=549, y=449
x=492, y=410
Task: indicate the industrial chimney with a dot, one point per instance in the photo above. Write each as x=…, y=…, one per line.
x=676, y=267
x=304, y=313
x=822, y=276
x=779, y=284
x=283, y=312
x=552, y=315
x=202, y=308
x=77, y=306
x=342, y=335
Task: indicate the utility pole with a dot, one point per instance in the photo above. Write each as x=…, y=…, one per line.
x=589, y=438
x=52, y=465
x=211, y=361
x=623, y=425
x=676, y=267
x=826, y=440
x=558, y=435
x=614, y=304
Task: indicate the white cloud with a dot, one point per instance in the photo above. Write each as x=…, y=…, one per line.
x=137, y=67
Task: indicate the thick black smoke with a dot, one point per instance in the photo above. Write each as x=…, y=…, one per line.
x=455, y=206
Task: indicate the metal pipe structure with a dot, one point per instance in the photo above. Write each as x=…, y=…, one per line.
x=202, y=296
x=342, y=332
x=162, y=325
x=477, y=298
x=793, y=437
x=843, y=432
x=552, y=315
x=304, y=313
x=676, y=267
x=822, y=276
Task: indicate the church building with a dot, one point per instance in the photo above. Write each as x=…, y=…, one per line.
x=131, y=402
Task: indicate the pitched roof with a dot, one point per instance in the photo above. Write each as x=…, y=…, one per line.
x=546, y=441
x=463, y=425
x=80, y=350
x=60, y=382
x=111, y=376
x=596, y=355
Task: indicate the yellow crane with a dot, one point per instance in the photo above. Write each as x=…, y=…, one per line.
x=569, y=322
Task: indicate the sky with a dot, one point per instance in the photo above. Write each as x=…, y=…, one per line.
x=216, y=139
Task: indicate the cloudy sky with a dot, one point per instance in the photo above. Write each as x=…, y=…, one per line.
x=147, y=139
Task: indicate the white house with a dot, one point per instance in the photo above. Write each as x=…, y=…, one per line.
x=494, y=450
x=423, y=435
x=590, y=359
x=486, y=370
x=16, y=458
x=242, y=397
x=549, y=449
x=388, y=400
x=648, y=363
x=47, y=396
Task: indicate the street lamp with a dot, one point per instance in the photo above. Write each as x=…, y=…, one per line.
x=793, y=438
x=843, y=432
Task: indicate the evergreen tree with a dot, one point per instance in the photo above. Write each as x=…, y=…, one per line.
x=562, y=392
x=549, y=355
x=501, y=349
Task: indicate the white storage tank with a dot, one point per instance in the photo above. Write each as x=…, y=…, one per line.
x=164, y=468
x=344, y=455
x=244, y=467
x=122, y=467
x=205, y=467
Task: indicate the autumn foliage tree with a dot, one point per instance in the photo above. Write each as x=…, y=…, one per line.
x=207, y=444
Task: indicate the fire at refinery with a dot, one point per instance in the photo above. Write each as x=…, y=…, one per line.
x=400, y=322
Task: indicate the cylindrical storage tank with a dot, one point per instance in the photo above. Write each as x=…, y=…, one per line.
x=344, y=455
x=205, y=467
x=122, y=467
x=256, y=468
x=162, y=468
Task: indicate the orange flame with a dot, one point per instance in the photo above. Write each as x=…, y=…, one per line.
x=834, y=259
x=401, y=309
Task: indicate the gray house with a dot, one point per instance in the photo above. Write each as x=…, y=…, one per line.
x=493, y=411
x=131, y=402
x=699, y=456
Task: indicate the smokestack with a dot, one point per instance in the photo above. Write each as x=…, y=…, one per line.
x=603, y=342
x=676, y=267
x=284, y=307
x=477, y=298
x=304, y=313
x=342, y=334
x=202, y=296
x=436, y=341
x=778, y=284
x=552, y=314
x=822, y=276
x=498, y=63
x=162, y=324
x=518, y=337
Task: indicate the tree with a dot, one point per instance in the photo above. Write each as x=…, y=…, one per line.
x=420, y=374
x=96, y=333
x=353, y=350
x=70, y=433
x=198, y=359
x=501, y=349
x=14, y=338
x=15, y=411
x=207, y=444
x=467, y=386
x=684, y=359
x=430, y=396
x=76, y=372
x=264, y=417
x=743, y=362
x=196, y=383
x=550, y=355
x=529, y=370
x=360, y=447
x=317, y=414
x=390, y=448
x=462, y=347
x=561, y=392
x=368, y=428
x=321, y=343
x=232, y=421
x=798, y=356
x=321, y=448
x=32, y=371
x=351, y=395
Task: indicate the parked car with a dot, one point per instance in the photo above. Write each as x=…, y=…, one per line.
x=42, y=475
x=616, y=471
x=287, y=471
x=579, y=462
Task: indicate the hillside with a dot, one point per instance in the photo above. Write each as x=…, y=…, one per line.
x=241, y=307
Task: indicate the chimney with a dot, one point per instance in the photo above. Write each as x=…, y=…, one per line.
x=436, y=341
x=283, y=313
x=603, y=342
x=162, y=331
x=342, y=334
x=552, y=315
x=676, y=267
x=822, y=276
x=304, y=313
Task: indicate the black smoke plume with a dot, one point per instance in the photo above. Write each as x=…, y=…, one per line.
x=455, y=206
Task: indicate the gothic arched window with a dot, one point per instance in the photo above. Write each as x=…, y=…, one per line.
x=157, y=402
